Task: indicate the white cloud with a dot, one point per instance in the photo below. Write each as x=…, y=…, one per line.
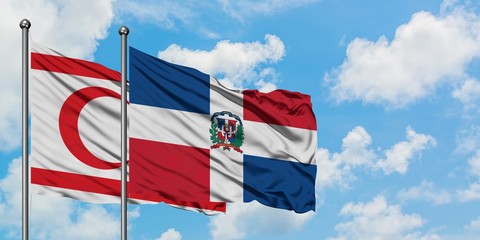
x=253, y=218
x=448, y=5
x=242, y=9
x=164, y=13
x=11, y=196
x=331, y=171
x=378, y=220
x=53, y=217
x=474, y=163
x=263, y=86
x=468, y=94
x=134, y=213
x=170, y=234
x=470, y=194
x=357, y=152
x=425, y=191
x=473, y=226
x=471, y=231
x=398, y=157
x=267, y=80
x=91, y=222
x=411, y=66
x=468, y=140
x=337, y=168
x=71, y=27
x=197, y=15
x=420, y=236
x=243, y=68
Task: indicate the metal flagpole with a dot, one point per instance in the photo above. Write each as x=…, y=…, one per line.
x=123, y=31
x=25, y=26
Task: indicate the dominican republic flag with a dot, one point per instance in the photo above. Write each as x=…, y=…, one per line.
x=75, y=132
x=192, y=138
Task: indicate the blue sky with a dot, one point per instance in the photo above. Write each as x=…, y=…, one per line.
x=395, y=88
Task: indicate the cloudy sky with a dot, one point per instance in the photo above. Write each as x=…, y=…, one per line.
x=395, y=88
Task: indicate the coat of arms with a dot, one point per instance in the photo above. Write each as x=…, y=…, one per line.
x=226, y=131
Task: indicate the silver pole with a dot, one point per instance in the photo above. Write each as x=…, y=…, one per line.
x=123, y=31
x=25, y=26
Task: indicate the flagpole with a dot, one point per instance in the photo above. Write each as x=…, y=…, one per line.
x=123, y=31
x=25, y=26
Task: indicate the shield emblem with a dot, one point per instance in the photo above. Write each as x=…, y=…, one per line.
x=226, y=131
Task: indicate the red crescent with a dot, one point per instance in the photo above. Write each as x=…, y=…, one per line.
x=68, y=124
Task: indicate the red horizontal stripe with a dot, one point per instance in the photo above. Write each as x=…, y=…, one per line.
x=105, y=186
x=73, y=66
x=279, y=107
x=75, y=181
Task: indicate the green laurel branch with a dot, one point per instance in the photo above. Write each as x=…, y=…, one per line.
x=213, y=133
x=239, y=137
